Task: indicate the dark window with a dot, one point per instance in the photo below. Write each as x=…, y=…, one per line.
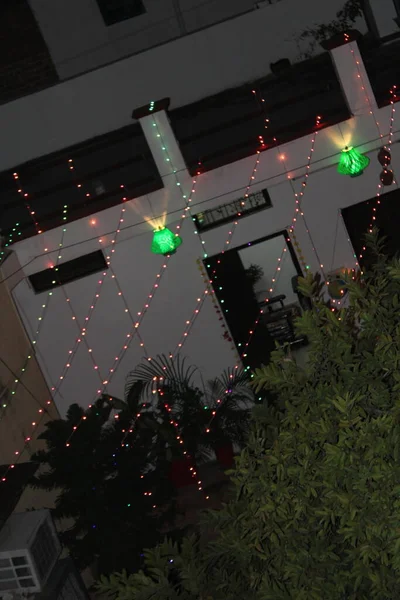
x=68, y=271
x=19, y=560
x=25, y=583
x=114, y=11
x=230, y=211
x=23, y=572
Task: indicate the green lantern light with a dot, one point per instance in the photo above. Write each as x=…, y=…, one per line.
x=352, y=162
x=164, y=241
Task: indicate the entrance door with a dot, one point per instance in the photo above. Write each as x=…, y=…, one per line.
x=242, y=296
x=239, y=305
x=358, y=217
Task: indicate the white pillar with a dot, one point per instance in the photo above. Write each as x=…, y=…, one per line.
x=159, y=135
x=353, y=77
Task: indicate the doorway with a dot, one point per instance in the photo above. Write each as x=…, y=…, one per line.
x=242, y=281
x=357, y=219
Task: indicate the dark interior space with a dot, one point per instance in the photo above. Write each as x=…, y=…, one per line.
x=357, y=219
x=242, y=306
x=382, y=63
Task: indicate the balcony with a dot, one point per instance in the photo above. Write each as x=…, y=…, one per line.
x=273, y=110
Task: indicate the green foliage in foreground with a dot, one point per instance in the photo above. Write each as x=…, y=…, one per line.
x=316, y=511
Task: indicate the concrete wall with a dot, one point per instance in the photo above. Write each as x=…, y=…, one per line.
x=175, y=299
x=185, y=70
x=79, y=40
x=384, y=13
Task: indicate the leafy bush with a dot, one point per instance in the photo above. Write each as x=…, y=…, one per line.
x=316, y=511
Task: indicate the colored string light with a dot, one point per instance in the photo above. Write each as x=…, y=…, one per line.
x=82, y=330
x=187, y=202
x=46, y=303
x=393, y=100
x=298, y=198
x=141, y=314
x=228, y=241
x=363, y=86
x=387, y=147
x=41, y=411
x=183, y=216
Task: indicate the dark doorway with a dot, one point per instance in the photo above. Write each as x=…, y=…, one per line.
x=242, y=300
x=357, y=219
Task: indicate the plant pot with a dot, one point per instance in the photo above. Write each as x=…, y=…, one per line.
x=341, y=38
x=225, y=455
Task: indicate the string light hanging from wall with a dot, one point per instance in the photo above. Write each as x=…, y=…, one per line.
x=275, y=278
x=45, y=305
x=156, y=285
x=385, y=175
x=154, y=289
x=188, y=208
x=209, y=290
x=128, y=339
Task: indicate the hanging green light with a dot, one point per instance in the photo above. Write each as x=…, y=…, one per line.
x=164, y=241
x=352, y=162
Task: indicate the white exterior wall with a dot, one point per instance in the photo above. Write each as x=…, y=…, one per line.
x=79, y=40
x=185, y=70
x=385, y=14
x=173, y=304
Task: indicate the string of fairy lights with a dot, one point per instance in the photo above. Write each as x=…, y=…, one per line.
x=35, y=424
x=291, y=230
x=46, y=303
x=201, y=299
x=202, y=241
x=207, y=291
x=187, y=202
x=386, y=147
x=197, y=310
x=298, y=198
x=298, y=210
x=41, y=412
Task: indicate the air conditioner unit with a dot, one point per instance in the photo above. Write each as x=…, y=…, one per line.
x=29, y=549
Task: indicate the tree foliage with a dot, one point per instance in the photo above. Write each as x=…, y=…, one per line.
x=316, y=509
x=113, y=473
x=104, y=486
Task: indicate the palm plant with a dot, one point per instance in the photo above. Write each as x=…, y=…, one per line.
x=206, y=417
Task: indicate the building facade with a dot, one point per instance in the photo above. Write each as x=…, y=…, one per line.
x=230, y=135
